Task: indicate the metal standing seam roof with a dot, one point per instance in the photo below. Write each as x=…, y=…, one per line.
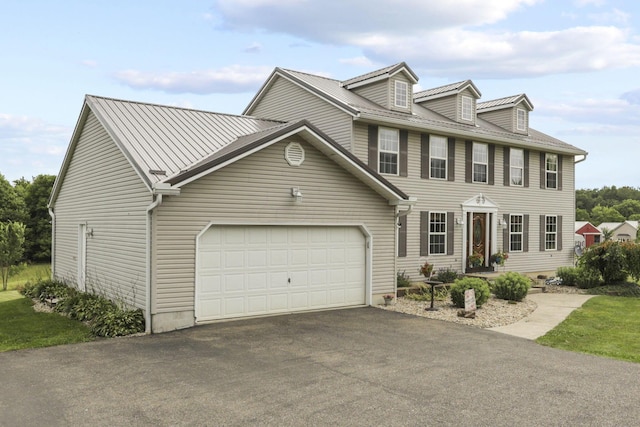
x=333, y=91
x=381, y=72
x=507, y=101
x=445, y=90
x=168, y=139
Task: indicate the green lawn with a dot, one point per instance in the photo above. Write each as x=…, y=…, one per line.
x=30, y=273
x=603, y=326
x=22, y=327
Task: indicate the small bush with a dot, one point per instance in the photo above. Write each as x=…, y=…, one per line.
x=446, y=275
x=116, y=322
x=569, y=275
x=480, y=286
x=609, y=259
x=511, y=286
x=403, y=280
x=588, y=278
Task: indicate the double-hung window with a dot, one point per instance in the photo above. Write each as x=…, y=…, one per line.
x=516, y=233
x=389, y=150
x=467, y=108
x=480, y=162
x=521, y=118
x=401, y=94
x=437, y=233
x=551, y=232
x=551, y=170
x=437, y=157
x=516, y=172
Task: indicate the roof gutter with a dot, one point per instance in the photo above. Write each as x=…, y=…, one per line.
x=584, y=157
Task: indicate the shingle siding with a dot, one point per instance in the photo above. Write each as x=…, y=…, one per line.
x=101, y=189
x=257, y=189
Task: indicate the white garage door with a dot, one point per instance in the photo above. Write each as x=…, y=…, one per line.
x=257, y=270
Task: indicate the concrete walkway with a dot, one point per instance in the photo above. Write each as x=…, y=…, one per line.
x=552, y=310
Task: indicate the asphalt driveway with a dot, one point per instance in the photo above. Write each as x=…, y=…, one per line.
x=348, y=367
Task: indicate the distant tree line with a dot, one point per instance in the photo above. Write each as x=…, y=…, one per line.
x=608, y=204
x=25, y=202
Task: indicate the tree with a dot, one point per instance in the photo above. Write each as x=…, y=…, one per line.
x=628, y=207
x=601, y=214
x=607, y=234
x=11, y=248
x=12, y=206
x=582, y=215
x=38, y=233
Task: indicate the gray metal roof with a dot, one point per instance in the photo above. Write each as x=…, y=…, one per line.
x=421, y=118
x=506, y=102
x=169, y=139
x=381, y=72
x=450, y=89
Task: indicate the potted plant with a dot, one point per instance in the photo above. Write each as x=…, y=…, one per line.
x=499, y=258
x=476, y=259
x=387, y=299
x=426, y=269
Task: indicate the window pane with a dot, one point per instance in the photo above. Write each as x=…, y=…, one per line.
x=479, y=173
x=516, y=176
x=552, y=163
x=401, y=94
x=480, y=153
x=438, y=147
x=389, y=163
x=515, y=232
x=436, y=244
x=438, y=168
x=551, y=180
x=388, y=140
x=517, y=158
x=437, y=232
x=516, y=242
x=467, y=106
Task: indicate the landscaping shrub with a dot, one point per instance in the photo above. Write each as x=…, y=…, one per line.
x=424, y=294
x=403, y=280
x=569, y=275
x=609, y=259
x=105, y=317
x=631, y=252
x=588, y=278
x=480, y=286
x=446, y=275
x=511, y=286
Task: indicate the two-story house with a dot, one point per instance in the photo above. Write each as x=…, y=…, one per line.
x=484, y=180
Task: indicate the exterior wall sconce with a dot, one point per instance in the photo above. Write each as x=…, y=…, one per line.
x=502, y=223
x=296, y=194
x=89, y=232
x=459, y=221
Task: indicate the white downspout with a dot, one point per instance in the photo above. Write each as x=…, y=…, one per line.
x=400, y=213
x=147, y=315
x=53, y=242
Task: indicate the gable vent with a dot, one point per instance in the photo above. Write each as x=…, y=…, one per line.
x=294, y=154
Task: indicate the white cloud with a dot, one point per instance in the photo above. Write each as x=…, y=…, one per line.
x=632, y=97
x=89, y=63
x=616, y=16
x=253, y=48
x=619, y=116
x=232, y=79
x=359, y=61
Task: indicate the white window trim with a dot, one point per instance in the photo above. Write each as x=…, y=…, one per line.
x=512, y=167
x=445, y=158
x=400, y=87
x=444, y=233
x=521, y=124
x=555, y=233
x=397, y=153
x=521, y=233
x=474, y=162
x=466, y=101
x=547, y=171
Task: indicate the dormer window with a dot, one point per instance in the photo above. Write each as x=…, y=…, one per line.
x=467, y=108
x=521, y=120
x=401, y=94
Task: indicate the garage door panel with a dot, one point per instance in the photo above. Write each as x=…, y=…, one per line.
x=255, y=270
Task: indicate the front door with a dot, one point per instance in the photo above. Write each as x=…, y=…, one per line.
x=478, y=239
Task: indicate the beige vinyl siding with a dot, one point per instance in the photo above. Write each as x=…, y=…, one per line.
x=447, y=196
x=447, y=106
x=505, y=118
x=289, y=102
x=380, y=92
x=101, y=189
x=257, y=189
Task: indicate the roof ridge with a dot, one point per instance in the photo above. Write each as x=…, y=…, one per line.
x=455, y=84
x=502, y=98
x=195, y=110
x=307, y=74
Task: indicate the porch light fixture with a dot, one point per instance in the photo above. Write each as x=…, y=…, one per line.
x=296, y=194
x=502, y=223
x=459, y=221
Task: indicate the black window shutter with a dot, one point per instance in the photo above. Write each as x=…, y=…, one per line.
x=402, y=236
x=559, y=232
x=404, y=147
x=526, y=168
x=506, y=243
x=424, y=156
x=559, y=184
x=492, y=163
x=451, y=159
x=373, y=147
x=543, y=171
x=525, y=233
x=507, y=166
x=449, y=233
x=542, y=232
x=424, y=233
x=468, y=161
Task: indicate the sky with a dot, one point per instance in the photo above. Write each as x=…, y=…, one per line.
x=578, y=61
